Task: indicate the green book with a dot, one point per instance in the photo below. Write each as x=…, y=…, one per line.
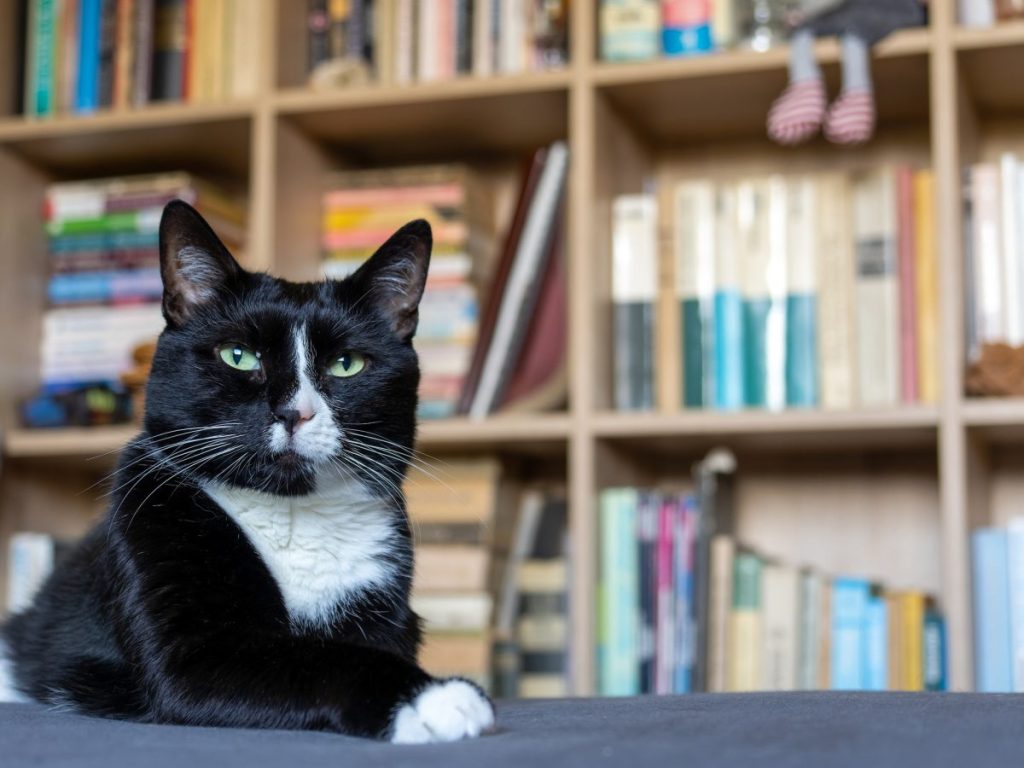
x=144, y=220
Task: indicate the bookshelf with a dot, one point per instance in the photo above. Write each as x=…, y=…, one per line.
x=891, y=493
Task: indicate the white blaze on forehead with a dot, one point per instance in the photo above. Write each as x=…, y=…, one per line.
x=317, y=437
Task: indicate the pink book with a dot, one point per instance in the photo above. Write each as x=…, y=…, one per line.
x=453, y=233
x=664, y=656
x=909, y=390
x=436, y=194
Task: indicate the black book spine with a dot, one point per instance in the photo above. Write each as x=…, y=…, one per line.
x=143, y=64
x=108, y=50
x=170, y=30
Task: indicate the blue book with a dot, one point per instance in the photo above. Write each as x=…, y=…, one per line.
x=934, y=652
x=849, y=634
x=801, y=350
x=877, y=645
x=728, y=335
x=1015, y=577
x=756, y=312
x=88, y=87
x=993, y=671
x=99, y=287
x=685, y=520
x=687, y=41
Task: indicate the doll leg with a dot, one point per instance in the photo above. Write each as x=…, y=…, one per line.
x=851, y=118
x=797, y=114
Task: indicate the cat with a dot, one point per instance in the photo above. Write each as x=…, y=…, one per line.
x=254, y=566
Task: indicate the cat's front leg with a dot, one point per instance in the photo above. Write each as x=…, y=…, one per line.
x=443, y=710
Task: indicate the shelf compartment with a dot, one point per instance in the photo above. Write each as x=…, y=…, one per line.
x=988, y=59
x=789, y=431
x=729, y=94
x=214, y=138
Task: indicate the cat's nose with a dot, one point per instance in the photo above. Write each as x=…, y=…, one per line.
x=292, y=418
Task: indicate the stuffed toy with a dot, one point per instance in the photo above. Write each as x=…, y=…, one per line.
x=800, y=112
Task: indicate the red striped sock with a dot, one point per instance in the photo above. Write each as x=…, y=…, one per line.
x=851, y=118
x=797, y=114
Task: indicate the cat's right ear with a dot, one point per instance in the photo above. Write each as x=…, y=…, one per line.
x=194, y=263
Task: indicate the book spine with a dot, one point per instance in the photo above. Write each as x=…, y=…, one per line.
x=1010, y=250
x=810, y=631
x=738, y=305
x=986, y=253
x=745, y=624
x=647, y=533
x=878, y=330
x=686, y=27
x=720, y=589
x=44, y=51
x=909, y=386
x=170, y=41
x=926, y=273
x=912, y=610
x=665, y=622
x=317, y=34
x=724, y=28
x=482, y=48
x=142, y=284
x=695, y=208
x=124, y=53
x=87, y=99
x=107, y=51
x=634, y=285
x=630, y=30
x=626, y=645
x=877, y=638
x=934, y=652
x=801, y=314
x=464, y=36
x=849, y=641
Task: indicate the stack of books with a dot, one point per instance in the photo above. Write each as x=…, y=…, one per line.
x=998, y=579
x=532, y=623
x=778, y=292
x=452, y=522
x=636, y=30
x=404, y=41
x=114, y=54
x=105, y=288
x=684, y=608
x=361, y=209
x=994, y=253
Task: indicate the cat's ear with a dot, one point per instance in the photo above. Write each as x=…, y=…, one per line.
x=194, y=263
x=395, y=275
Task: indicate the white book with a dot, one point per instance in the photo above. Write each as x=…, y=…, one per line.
x=483, y=43
x=405, y=41
x=30, y=562
x=836, y=307
x=427, y=41
x=976, y=13
x=1010, y=250
x=530, y=250
x=780, y=600
x=511, y=44
x=988, y=262
x=878, y=313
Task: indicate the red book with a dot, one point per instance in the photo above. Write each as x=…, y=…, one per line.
x=188, y=54
x=909, y=388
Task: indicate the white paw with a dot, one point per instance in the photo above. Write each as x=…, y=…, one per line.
x=448, y=710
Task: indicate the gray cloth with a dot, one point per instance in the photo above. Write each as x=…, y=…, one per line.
x=816, y=730
x=802, y=64
x=856, y=65
x=870, y=20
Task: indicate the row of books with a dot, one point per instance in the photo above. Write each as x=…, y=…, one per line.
x=635, y=30
x=402, y=41
x=492, y=329
x=985, y=13
x=85, y=55
x=683, y=608
x=998, y=580
x=776, y=292
x=994, y=253
x=104, y=290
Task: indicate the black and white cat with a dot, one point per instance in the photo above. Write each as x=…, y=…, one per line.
x=254, y=566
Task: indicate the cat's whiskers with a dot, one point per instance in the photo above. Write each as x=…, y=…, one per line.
x=167, y=454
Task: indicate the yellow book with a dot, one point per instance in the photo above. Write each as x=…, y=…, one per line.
x=744, y=667
x=927, y=288
x=912, y=640
x=895, y=642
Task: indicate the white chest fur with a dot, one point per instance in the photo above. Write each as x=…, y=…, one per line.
x=320, y=549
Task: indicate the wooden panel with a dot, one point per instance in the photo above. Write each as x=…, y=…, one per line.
x=11, y=31
x=991, y=73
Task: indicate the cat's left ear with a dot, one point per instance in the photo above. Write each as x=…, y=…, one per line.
x=194, y=263
x=395, y=275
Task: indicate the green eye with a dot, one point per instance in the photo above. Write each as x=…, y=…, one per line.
x=348, y=364
x=239, y=357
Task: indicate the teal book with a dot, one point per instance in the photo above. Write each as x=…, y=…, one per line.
x=802, y=351
x=729, y=376
x=44, y=55
x=934, y=652
x=619, y=673
x=694, y=328
x=694, y=249
x=877, y=637
x=755, y=351
x=849, y=634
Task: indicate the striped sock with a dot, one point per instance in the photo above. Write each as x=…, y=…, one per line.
x=797, y=114
x=851, y=118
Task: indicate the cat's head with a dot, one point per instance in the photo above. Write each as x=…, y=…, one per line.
x=277, y=386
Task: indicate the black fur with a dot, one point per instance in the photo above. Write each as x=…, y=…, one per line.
x=165, y=612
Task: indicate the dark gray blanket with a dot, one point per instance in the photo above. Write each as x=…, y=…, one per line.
x=817, y=730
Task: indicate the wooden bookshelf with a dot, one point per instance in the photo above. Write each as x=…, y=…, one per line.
x=818, y=487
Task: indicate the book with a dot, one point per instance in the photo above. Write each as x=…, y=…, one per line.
x=912, y=612
x=31, y=558
x=748, y=355
x=801, y=310
x=634, y=284
x=907, y=256
x=810, y=629
x=89, y=31
x=42, y=31
x=745, y=630
x=1015, y=580
x=934, y=652
x=629, y=29
x=926, y=272
x=450, y=568
x=877, y=288
x=170, y=41
x=837, y=301
x=986, y=254
x=686, y=27
x=696, y=211
x=453, y=612
x=779, y=643
x=1011, y=240
x=876, y=641
x=850, y=599
x=720, y=591
x=619, y=670
x=465, y=494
